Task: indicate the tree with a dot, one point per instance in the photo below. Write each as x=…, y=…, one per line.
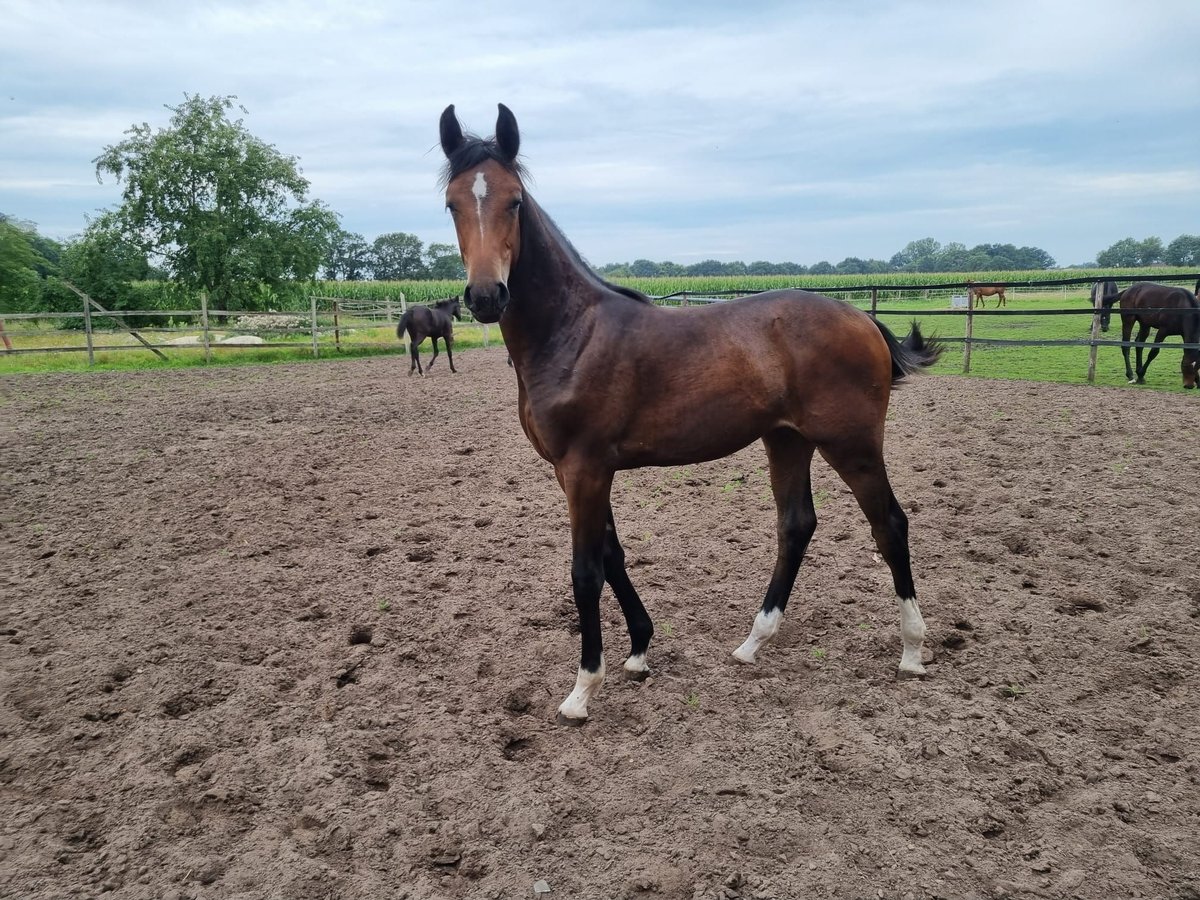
x=19, y=283
x=1183, y=251
x=1124, y=254
x=349, y=257
x=396, y=256
x=916, y=255
x=223, y=210
x=443, y=261
x=824, y=267
x=1130, y=253
x=27, y=259
x=102, y=262
x=644, y=268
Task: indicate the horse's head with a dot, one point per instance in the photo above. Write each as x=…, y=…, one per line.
x=484, y=195
x=451, y=306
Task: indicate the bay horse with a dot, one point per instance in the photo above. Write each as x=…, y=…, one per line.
x=430, y=321
x=1171, y=310
x=608, y=381
x=1104, y=295
x=997, y=292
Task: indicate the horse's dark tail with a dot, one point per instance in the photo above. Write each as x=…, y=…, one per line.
x=402, y=325
x=914, y=353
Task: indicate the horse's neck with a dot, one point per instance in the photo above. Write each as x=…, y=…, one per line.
x=552, y=292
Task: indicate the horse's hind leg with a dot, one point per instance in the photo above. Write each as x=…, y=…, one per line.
x=450, y=353
x=641, y=629
x=790, y=458
x=862, y=468
x=416, y=359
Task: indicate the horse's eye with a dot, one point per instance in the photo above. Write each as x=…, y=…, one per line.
x=515, y=205
x=450, y=208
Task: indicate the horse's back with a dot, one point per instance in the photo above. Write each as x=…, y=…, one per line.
x=1174, y=309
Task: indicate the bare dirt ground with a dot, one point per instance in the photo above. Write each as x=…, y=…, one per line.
x=300, y=631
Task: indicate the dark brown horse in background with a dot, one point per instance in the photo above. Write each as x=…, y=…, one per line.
x=1171, y=310
x=979, y=292
x=607, y=381
x=1104, y=295
x=435, y=322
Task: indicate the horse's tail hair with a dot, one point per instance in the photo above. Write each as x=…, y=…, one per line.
x=402, y=325
x=914, y=353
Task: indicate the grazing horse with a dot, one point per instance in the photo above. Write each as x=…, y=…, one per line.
x=1172, y=310
x=430, y=321
x=997, y=292
x=1106, y=292
x=607, y=381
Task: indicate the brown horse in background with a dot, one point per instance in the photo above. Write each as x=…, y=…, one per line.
x=1171, y=310
x=435, y=322
x=607, y=381
x=978, y=292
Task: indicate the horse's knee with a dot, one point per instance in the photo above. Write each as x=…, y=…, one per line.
x=587, y=580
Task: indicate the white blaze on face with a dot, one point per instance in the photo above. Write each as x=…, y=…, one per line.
x=479, y=189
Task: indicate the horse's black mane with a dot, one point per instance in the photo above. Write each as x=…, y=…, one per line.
x=475, y=151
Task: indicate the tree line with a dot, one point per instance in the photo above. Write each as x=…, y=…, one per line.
x=207, y=206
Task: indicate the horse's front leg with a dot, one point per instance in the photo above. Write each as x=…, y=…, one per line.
x=641, y=629
x=435, y=353
x=1143, y=333
x=1158, y=339
x=450, y=353
x=587, y=491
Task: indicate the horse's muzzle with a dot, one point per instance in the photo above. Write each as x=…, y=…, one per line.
x=487, y=304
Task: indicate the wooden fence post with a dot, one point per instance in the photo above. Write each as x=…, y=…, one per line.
x=316, y=352
x=337, y=335
x=1091, y=376
x=87, y=327
x=874, y=303
x=204, y=327
x=970, y=332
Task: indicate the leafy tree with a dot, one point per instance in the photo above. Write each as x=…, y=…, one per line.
x=706, y=267
x=1151, y=252
x=915, y=255
x=1125, y=253
x=397, y=256
x=445, y=262
x=822, y=268
x=349, y=257
x=223, y=210
x=20, y=286
x=1183, y=251
x=27, y=259
x=1130, y=253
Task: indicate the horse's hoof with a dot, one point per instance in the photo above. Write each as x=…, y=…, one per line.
x=906, y=674
x=741, y=656
x=570, y=722
x=636, y=674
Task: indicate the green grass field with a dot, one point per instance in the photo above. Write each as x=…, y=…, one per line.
x=1056, y=363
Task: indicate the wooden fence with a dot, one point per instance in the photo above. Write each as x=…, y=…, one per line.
x=332, y=321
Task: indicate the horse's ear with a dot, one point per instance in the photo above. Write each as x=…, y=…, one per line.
x=508, y=136
x=451, y=131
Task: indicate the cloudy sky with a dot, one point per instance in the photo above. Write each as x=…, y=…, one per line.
x=786, y=131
